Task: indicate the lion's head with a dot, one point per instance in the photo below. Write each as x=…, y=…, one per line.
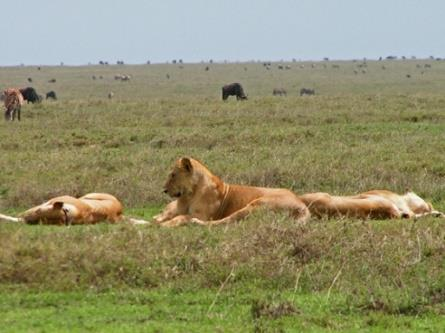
x=182, y=179
x=50, y=211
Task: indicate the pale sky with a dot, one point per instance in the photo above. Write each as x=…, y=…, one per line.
x=86, y=31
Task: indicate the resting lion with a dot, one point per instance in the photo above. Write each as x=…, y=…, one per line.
x=375, y=204
x=204, y=198
x=89, y=209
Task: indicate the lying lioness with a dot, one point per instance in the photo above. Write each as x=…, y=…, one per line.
x=89, y=209
x=203, y=198
x=376, y=204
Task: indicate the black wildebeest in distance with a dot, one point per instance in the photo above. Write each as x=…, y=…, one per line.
x=30, y=95
x=233, y=89
x=279, y=92
x=306, y=91
x=51, y=94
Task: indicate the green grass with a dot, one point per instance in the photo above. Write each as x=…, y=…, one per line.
x=359, y=132
x=204, y=311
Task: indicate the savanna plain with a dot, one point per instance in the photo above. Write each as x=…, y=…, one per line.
x=373, y=125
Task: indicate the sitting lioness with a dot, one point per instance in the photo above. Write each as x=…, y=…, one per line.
x=375, y=204
x=204, y=198
x=89, y=209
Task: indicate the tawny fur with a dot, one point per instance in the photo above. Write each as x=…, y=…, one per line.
x=375, y=204
x=89, y=209
x=13, y=102
x=204, y=198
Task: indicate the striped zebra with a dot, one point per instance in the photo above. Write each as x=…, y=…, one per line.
x=13, y=102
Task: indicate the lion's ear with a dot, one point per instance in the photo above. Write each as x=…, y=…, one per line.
x=186, y=164
x=58, y=205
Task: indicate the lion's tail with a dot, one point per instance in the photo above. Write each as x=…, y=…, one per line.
x=6, y=218
x=135, y=221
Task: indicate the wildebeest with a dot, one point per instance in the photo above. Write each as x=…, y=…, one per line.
x=123, y=77
x=279, y=92
x=51, y=94
x=306, y=91
x=110, y=95
x=52, y=81
x=30, y=79
x=233, y=89
x=13, y=103
x=30, y=95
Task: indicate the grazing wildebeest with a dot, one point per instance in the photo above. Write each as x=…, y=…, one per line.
x=30, y=95
x=51, y=94
x=279, y=92
x=306, y=91
x=123, y=77
x=13, y=103
x=233, y=89
x=52, y=81
x=30, y=79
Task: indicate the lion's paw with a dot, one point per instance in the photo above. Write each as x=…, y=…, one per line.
x=197, y=221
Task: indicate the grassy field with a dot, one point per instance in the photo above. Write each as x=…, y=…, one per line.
x=372, y=128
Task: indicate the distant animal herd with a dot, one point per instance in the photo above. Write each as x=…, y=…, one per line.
x=14, y=98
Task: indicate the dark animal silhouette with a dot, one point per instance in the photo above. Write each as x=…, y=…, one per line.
x=306, y=91
x=279, y=92
x=233, y=89
x=30, y=95
x=51, y=94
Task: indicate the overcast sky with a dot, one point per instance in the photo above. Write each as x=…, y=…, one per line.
x=86, y=31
